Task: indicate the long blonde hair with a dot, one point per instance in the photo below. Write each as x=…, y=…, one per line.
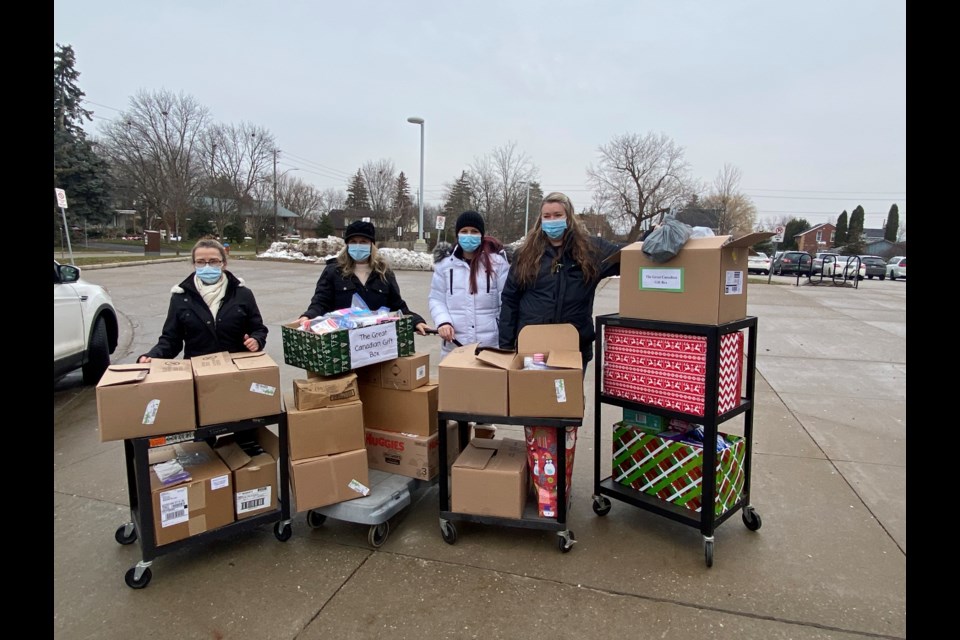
x=347, y=264
x=576, y=243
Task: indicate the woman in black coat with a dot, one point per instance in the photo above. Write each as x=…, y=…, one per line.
x=554, y=276
x=359, y=269
x=210, y=311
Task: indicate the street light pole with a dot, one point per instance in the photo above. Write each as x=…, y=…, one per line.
x=526, y=219
x=276, y=218
x=419, y=245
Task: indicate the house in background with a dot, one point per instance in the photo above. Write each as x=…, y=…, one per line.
x=817, y=239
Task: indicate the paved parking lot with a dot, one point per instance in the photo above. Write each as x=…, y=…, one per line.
x=829, y=480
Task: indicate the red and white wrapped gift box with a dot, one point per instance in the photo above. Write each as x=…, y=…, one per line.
x=669, y=370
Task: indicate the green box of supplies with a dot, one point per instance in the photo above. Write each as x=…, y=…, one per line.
x=341, y=351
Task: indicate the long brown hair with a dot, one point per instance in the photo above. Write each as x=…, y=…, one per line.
x=576, y=243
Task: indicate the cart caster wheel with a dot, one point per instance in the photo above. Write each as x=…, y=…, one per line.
x=449, y=532
x=708, y=552
x=601, y=506
x=751, y=519
x=315, y=519
x=137, y=584
x=378, y=534
x=565, y=541
x=282, y=531
x=126, y=534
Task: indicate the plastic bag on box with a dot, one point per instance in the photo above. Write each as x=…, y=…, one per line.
x=666, y=241
x=542, y=461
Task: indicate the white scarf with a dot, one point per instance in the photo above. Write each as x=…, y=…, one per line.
x=212, y=294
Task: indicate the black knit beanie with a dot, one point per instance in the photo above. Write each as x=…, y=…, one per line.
x=471, y=219
x=362, y=229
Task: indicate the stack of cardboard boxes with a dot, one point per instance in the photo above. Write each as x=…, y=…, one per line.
x=219, y=485
x=704, y=284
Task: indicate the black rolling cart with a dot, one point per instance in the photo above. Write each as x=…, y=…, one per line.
x=531, y=518
x=142, y=526
x=706, y=519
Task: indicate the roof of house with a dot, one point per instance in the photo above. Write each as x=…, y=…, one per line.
x=814, y=228
x=870, y=234
x=282, y=212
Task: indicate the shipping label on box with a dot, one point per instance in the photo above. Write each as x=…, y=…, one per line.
x=669, y=370
x=236, y=386
x=340, y=351
x=406, y=373
x=317, y=393
x=673, y=471
x=254, y=476
x=154, y=398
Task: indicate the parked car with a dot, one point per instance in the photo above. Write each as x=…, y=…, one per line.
x=819, y=258
x=897, y=267
x=793, y=262
x=759, y=263
x=873, y=266
x=84, y=325
x=843, y=267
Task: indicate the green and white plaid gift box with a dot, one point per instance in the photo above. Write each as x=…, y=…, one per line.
x=329, y=354
x=673, y=471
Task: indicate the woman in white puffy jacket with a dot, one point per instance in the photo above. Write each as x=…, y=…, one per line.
x=467, y=283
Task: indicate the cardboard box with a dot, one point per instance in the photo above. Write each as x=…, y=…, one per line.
x=254, y=478
x=556, y=392
x=203, y=503
x=236, y=386
x=320, y=432
x=410, y=455
x=136, y=400
x=317, y=393
x=369, y=374
x=673, y=471
x=325, y=480
x=490, y=478
x=412, y=411
x=669, y=370
x=469, y=385
x=705, y=283
x=406, y=373
x=341, y=351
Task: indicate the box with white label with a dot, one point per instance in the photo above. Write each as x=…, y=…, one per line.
x=252, y=457
x=338, y=352
x=202, y=503
x=235, y=386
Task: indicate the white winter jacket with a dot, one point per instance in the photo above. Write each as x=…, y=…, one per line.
x=474, y=316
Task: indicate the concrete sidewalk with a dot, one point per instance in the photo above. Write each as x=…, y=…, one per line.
x=829, y=481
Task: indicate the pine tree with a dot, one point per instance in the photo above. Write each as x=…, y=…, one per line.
x=892, y=225
x=400, y=202
x=854, y=244
x=840, y=236
x=459, y=199
x=357, y=196
x=77, y=168
x=793, y=227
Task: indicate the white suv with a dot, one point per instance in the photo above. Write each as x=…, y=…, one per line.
x=84, y=325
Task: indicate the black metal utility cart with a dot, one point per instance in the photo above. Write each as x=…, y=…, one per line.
x=142, y=526
x=531, y=518
x=706, y=519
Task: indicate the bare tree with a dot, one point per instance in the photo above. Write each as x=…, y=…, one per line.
x=736, y=211
x=333, y=199
x=498, y=181
x=642, y=177
x=301, y=198
x=157, y=145
x=380, y=177
x=242, y=158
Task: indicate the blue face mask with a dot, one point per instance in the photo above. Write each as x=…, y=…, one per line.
x=554, y=228
x=359, y=252
x=469, y=242
x=208, y=274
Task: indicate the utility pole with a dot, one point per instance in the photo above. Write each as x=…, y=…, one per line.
x=276, y=226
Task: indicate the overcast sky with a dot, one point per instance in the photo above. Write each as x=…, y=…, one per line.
x=807, y=99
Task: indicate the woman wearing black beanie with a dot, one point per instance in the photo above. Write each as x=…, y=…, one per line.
x=465, y=291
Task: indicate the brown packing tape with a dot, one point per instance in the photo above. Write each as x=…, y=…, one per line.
x=195, y=496
x=197, y=524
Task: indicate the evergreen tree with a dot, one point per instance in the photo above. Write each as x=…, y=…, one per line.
x=793, y=227
x=840, y=236
x=400, y=203
x=459, y=198
x=77, y=167
x=893, y=224
x=854, y=244
x=357, y=196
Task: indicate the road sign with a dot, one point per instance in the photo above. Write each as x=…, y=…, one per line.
x=778, y=233
x=441, y=221
x=61, y=198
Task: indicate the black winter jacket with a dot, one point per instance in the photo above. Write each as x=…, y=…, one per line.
x=334, y=291
x=190, y=325
x=558, y=295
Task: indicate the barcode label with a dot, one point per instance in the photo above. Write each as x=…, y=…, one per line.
x=253, y=499
x=734, y=283
x=173, y=507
